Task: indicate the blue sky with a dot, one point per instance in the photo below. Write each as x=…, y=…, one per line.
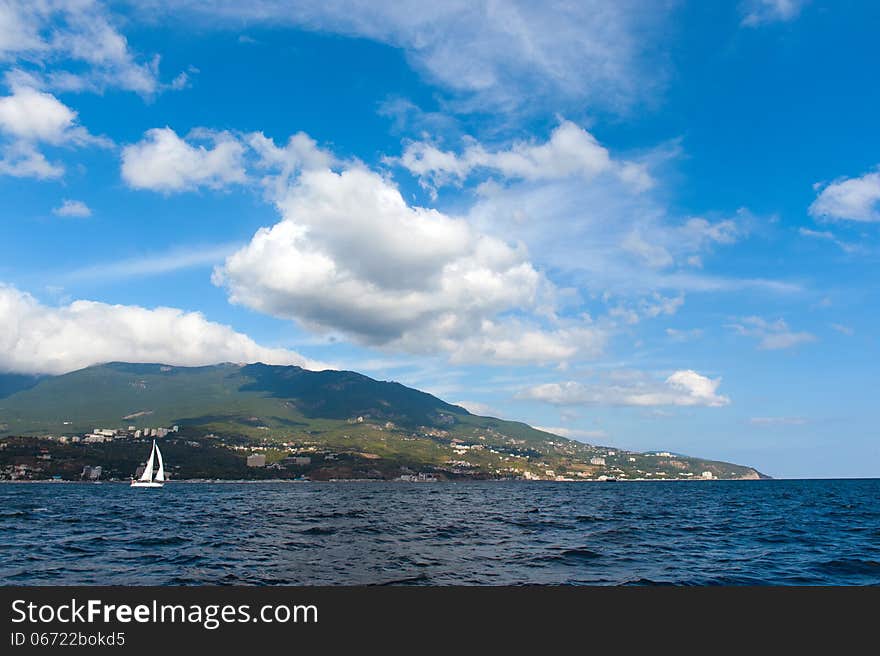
x=649, y=228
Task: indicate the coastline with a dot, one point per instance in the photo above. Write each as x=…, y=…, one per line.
x=206, y=481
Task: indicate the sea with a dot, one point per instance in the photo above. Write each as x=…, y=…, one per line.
x=769, y=532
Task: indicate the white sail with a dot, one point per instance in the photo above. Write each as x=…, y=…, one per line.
x=148, y=470
x=160, y=473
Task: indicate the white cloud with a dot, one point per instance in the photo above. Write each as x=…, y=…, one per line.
x=827, y=235
x=697, y=233
x=771, y=335
x=686, y=240
x=579, y=211
x=570, y=151
x=852, y=199
x=650, y=307
x=45, y=38
x=164, y=162
x=843, y=330
x=651, y=253
x=660, y=305
x=606, y=236
x=36, y=338
x=515, y=343
x=761, y=12
x=633, y=388
x=182, y=81
x=36, y=116
x=72, y=208
x=350, y=255
x=282, y=164
x=29, y=117
x=512, y=54
x=574, y=433
x=777, y=421
x=816, y=234
x=478, y=408
x=678, y=335
x=15, y=32
x=22, y=160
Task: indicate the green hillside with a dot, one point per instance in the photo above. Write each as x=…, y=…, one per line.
x=349, y=424
x=227, y=396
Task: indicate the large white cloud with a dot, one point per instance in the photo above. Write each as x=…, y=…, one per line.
x=601, y=219
x=36, y=338
x=853, y=199
x=350, y=255
x=633, y=388
x=162, y=161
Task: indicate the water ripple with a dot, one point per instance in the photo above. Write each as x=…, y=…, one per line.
x=718, y=533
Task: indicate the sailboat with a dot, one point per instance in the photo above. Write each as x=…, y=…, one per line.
x=147, y=479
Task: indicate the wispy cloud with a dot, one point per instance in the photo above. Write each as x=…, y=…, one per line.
x=511, y=55
x=574, y=433
x=479, y=408
x=153, y=264
x=827, y=235
x=73, y=47
x=680, y=335
x=777, y=421
x=762, y=12
x=771, y=335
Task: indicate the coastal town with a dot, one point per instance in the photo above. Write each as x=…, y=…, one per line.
x=99, y=451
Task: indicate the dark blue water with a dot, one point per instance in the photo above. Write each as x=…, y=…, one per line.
x=750, y=532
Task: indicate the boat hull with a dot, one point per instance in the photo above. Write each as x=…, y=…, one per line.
x=146, y=484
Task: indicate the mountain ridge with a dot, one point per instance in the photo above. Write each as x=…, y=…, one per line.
x=285, y=409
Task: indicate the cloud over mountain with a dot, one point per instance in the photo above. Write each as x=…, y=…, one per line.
x=37, y=338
